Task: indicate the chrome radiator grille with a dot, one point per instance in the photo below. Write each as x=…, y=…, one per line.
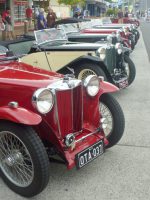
x=69, y=104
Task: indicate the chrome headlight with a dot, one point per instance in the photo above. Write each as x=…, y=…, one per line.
x=92, y=84
x=102, y=53
x=43, y=100
x=118, y=46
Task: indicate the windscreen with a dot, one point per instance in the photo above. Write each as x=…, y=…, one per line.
x=69, y=28
x=48, y=35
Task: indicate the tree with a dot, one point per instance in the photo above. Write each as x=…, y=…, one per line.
x=71, y=2
x=112, y=12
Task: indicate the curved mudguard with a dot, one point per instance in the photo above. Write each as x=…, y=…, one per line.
x=85, y=58
x=19, y=115
x=106, y=87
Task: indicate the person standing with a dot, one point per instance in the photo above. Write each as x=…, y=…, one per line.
x=41, y=21
x=126, y=14
x=8, y=24
x=77, y=13
x=51, y=18
x=29, y=15
x=120, y=16
x=2, y=28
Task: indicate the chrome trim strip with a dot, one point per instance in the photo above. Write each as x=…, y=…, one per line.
x=72, y=101
x=82, y=107
x=60, y=85
x=57, y=114
x=84, y=137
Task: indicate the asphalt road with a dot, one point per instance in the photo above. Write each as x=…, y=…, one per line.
x=123, y=172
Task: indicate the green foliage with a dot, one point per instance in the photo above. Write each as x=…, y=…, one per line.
x=71, y=2
x=112, y=11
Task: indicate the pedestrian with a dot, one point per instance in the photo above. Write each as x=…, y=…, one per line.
x=126, y=14
x=2, y=28
x=120, y=16
x=77, y=13
x=29, y=15
x=8, y=24
x=41, y=21
x=51, y=18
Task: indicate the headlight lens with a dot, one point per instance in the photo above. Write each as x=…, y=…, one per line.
x=102, y=53
x=43, y=100
x=92, y=84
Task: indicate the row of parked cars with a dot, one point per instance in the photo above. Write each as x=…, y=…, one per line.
x=55, y=98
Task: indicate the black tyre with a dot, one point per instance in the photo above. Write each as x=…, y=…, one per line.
x=138, y=34
x=24, y=164
x=113, y=121
x=136, y=38
x=130, y=69
x=86, y=69
x=132, y=44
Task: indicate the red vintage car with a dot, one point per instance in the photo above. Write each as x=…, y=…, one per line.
x=126, y=37
x=43, y=114
x=127, y=20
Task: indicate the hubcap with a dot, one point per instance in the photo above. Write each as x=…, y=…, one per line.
x=84, y=73
x=107, y=119
x=15, y=160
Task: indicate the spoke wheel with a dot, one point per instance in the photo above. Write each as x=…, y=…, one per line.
x=24, y=164
x=16, y=162
x=88, y=68
x=112, y=120
x=84, y=73
x=107, y=119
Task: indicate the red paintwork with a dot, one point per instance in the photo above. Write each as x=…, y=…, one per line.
x=97, y=31
x=127, y=20
x=124, y=36
x=105, y=31
x=20, y=115
x=18, y=82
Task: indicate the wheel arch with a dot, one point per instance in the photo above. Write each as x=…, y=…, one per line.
x=89, y=59
x=19, y=115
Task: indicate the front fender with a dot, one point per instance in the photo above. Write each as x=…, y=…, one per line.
x=19, y=115
x=85, y=58
x=106, y=87
x=90, y=59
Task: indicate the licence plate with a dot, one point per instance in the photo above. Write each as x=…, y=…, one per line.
x=89, y=154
